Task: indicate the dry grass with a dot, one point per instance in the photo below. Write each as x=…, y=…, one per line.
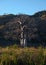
x=22, y=56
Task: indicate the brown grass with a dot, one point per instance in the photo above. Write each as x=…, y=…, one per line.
x=22, y=56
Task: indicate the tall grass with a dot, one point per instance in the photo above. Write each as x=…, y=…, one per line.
x=22, y=56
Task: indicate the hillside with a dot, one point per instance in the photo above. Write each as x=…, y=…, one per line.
x=35, y=28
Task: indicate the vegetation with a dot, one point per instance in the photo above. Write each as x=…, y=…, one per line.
x=14, y=55
x=10, y=31
x=34, y=27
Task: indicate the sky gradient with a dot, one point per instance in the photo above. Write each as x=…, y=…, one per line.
x=21, y=6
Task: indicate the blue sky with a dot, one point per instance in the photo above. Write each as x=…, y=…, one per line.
x=21, y=6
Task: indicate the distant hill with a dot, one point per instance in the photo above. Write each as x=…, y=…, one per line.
x=35, y=28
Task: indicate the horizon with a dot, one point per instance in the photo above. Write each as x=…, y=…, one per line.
x=22, y=13
x=28, y=7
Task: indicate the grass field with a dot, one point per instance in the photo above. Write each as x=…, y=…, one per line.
x=14, y=55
